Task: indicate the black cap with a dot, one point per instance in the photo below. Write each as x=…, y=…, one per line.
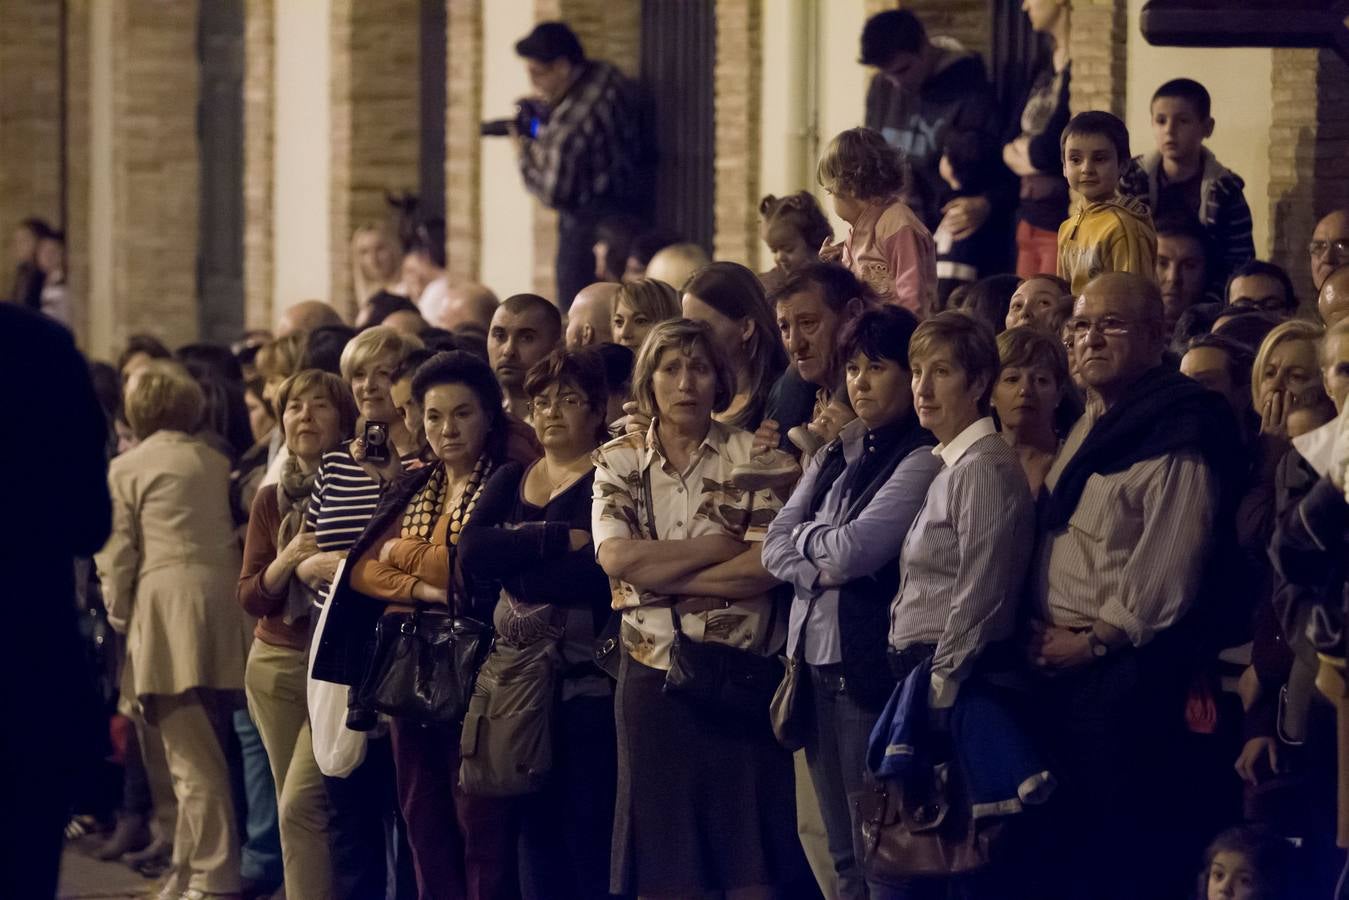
x=889, y=33
x=551, y=41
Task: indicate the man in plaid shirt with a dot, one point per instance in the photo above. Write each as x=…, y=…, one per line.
x=584, y=160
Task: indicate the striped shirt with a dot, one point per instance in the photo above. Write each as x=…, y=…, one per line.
x=1133, y=551
x=964, y=559
x=344, y=499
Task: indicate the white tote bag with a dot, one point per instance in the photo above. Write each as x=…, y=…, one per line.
x=337, y=749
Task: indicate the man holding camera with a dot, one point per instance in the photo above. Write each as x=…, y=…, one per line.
x=580, y=153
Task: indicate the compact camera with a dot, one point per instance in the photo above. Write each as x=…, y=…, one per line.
x=530, y=114
x=376, y=439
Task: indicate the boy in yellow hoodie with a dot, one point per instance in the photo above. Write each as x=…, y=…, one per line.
x=1105, y=231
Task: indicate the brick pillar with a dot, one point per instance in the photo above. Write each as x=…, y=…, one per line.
x=1308, y=154
x=30, y=114
x=259, y=160
x=610, y=30
x=737, y=104
x=1098, y=49
x=155, y=177
x=375, y=122
x=463, y=146
x=77, y=161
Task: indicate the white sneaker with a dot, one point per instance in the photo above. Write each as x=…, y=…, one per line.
x=807, y=441
x=771, y=469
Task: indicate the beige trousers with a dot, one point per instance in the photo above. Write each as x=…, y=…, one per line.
x=205, y=840
x=274, y=681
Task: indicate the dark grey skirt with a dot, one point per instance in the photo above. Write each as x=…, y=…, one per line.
x=705, y=802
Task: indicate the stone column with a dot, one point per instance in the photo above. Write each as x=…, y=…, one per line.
x=259, y=160
x=463, y=146
x=1308, y=155
x=737, y=104
x=143, y=181
x=375, y=122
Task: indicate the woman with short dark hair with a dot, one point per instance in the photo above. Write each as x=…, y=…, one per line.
x=539, y=548
x=837, y=542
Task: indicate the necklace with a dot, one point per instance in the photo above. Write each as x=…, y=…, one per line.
x=557, y=484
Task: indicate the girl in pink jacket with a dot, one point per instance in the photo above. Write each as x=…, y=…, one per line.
x=887, y=247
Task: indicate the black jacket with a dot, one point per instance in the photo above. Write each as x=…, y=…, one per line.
x=342, y=651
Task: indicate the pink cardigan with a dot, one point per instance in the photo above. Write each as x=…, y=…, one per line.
x=892, y=252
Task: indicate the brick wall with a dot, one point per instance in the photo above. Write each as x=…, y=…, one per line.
x=1308, y=154
x=259, y=160
x=30, y=113
x=1098, y=48
x=375, y=142
x=463, y=147
x=155, y=171
x=737, y=104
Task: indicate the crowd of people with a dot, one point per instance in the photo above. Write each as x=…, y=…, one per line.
x=994, y=550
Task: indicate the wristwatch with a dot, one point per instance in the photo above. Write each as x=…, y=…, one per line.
x=1099, y=648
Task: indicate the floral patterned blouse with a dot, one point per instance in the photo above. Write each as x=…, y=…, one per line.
x=690, y=504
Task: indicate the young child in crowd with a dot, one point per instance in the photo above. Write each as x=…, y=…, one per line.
x=794, y=228
x=1247, y=863
x=887, y=247
x=1182, y=178
x=969, y=166
x=1105, y=232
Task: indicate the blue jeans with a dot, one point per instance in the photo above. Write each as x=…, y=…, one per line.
x=836, y=754
x=260, y=855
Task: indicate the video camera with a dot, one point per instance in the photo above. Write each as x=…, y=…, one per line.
x=530, y=114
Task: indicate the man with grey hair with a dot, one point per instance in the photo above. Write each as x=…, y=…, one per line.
x=590, y=319
x=1141, y=503
x=306, y=316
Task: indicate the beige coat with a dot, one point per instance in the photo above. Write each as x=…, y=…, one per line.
x=171, y=565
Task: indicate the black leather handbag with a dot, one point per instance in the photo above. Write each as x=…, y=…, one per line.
x=720, y=677
x=424, y=664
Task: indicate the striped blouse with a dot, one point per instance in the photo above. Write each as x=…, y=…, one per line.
x=964, y=560
x=344, y=499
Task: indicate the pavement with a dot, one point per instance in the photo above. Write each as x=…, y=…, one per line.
x=86, y=878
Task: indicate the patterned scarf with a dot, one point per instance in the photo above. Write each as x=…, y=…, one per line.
x=420, y=518
x=292, y=498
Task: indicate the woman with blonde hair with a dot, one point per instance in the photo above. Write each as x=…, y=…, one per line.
x=639, y=305
x=167, y=572
x=1287, y=377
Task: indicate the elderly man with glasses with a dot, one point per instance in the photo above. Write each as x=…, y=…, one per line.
x=1139, y=515
x=1329, y=247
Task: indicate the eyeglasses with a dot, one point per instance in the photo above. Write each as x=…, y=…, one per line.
x=1320, y=248
x=540, y=405
x=1110, y=326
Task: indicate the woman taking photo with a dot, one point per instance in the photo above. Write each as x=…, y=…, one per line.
x=837, y=542
x=638, y=306
x=730, y=299
x=704, y=796
x=461, y=845
x=166, y=571
x=317, y=412
x=541, y=552
x=1032, y=385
